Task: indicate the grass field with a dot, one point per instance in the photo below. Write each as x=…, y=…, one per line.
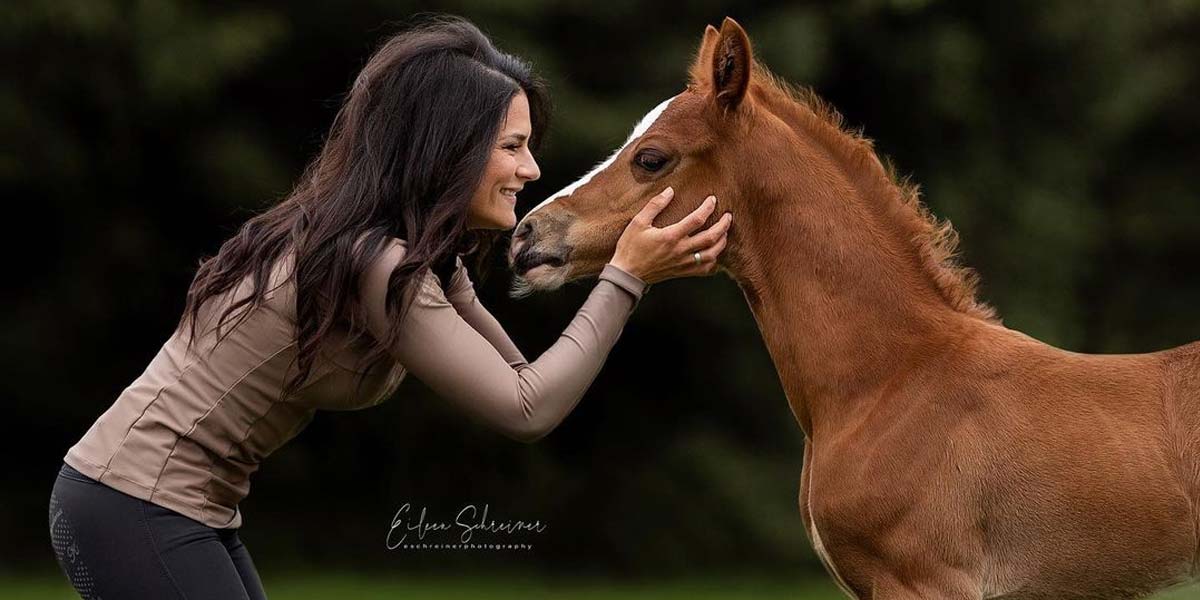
x=375, y=587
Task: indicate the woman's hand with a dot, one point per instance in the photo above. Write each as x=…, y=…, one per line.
x=654, y=254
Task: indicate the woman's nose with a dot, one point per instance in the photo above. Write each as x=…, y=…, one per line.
x=529, y=170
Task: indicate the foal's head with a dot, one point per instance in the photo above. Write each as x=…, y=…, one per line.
x=802, y=190
x=691, y=142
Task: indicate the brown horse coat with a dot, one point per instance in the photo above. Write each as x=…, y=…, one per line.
x=946, y=456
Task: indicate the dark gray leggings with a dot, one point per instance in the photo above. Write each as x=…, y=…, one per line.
x=113, y=546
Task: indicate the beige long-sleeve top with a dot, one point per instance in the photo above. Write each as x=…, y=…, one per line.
x=189, y=432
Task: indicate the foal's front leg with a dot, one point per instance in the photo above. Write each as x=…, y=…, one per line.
x=947, y=586
x=918, y=568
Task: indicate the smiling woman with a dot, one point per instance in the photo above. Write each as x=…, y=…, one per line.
x=327, y=300
x=512, y=165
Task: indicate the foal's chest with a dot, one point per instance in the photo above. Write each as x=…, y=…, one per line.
x=811, y=510
x=823, y=553
x=854, y=509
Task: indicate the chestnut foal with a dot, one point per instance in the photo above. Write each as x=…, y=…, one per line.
x=946, y=456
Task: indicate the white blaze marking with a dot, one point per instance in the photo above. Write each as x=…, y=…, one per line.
x=642, y=127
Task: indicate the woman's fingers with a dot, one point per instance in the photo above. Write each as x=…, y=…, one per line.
x=693, y=221
x=655, y=254
x=709, y=236
x=704, y=248
x=707, y=263
x=708, y=256
x=645, y=217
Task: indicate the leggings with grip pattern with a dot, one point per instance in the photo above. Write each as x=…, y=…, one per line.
x=113, y=546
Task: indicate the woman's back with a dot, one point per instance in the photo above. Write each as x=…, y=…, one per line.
x=190, y=430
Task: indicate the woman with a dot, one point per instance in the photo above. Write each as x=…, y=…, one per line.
x=326, y=300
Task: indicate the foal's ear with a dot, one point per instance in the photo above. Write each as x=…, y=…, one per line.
x=701, y=71
x=732, y=61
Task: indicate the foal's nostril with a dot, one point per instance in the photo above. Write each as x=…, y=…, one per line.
x=523, y=230
x=521, y=238
x=514, y=250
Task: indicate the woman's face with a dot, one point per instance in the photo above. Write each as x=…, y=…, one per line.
x=494, y=204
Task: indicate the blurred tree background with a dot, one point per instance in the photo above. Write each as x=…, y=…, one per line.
x=1061, y=138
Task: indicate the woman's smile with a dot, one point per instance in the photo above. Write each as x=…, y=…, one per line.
x=510, y=194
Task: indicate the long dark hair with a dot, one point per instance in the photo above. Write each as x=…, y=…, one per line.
x=402, y=160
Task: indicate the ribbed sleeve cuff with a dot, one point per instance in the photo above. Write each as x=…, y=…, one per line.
x=622, y=279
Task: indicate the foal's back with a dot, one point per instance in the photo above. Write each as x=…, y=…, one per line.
x=1093, y=469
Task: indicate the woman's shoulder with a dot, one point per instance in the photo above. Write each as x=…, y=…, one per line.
x=379, y=271
x=392, y=254
x=394, y=251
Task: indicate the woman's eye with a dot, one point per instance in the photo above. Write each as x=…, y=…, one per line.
x=650, y=160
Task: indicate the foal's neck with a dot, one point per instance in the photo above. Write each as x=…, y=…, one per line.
x=842, y=307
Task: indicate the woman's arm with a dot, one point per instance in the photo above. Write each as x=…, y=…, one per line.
x=439, y=347
x=461, y=294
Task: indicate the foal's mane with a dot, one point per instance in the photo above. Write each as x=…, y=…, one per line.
x=934, y=240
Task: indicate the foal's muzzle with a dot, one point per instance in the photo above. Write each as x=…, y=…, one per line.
x=537, y=242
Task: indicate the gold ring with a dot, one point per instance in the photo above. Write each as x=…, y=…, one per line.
x=696, y=257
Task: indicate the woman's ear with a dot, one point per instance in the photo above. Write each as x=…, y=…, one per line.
x=732, y=61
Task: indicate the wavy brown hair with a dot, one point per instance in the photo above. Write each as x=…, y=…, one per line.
x=406, y=151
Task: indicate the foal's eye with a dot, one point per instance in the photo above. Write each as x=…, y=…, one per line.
x=650, y=160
